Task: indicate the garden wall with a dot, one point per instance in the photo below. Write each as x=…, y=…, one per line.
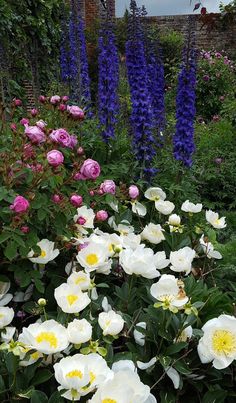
x=206, y=37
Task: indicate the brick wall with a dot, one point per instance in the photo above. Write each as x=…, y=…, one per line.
x=94, y=9
x=217, y=37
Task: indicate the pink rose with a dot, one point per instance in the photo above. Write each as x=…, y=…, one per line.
x=34, y=112
x=28, y=151
x=42, y=99
x=61, y=136
x=62, y=107
x=80, y=151
x=65, y=98
x=108, y=186
x=55, y=99
x=41, y=124
x=90, y=169
x=133, y=192
x=35, y=134
x=25, y=229
x=101, y=215
x=24, y=121
x=13, y=127
x=20, y=205
x=56, y=199
x=76, y=200
x=17, y=102
x=55, y=158
x=75, y=112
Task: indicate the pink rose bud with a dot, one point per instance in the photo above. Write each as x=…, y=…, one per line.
x=133, y=192
x=56, y=199
x=100, y=192
x=81, y=221
x=62, y=107
x=65, y=98
x=75, y=112
x=41, y=124
x=80, y=151
x=34, y=112
x=20, y=205
x=76, y=200
x=90, y=169
x=25, y=229
x=17, y=102
x=78, y=176
x=42, y=99
x=101, y=215
x=91, y=192
x=35, y=134
x=55, y=99
x=108, y=186
x=55, y=158
x=24, y=121
x=13, y=127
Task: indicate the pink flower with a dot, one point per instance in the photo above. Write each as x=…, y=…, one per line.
x=61, y=136
x=73, y=141
x=36, y=167
x=34, y=112
x=65, y=98
x=55, y=99
x=24, y=121
x=17, y=102
x=76, y=200
x=41, y=124
x=20, y=204
x=62, y=107
x=35, y=134
x=133, y=192
x=13, y=127
x=25, y=229
x=101, y=215
x=75, y=112
x=81, y=221
x=56, y=199
x=55, y=158
x=90, y=169
x=28, y=151
x=108, y=186
x=80, y=151
x=42, y=99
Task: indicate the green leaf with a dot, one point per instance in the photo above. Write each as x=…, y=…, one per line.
x=175, y=348
x=2, y=385
x=39, y=285
x=167, y=397
x=182, y=367
x=4, y=236
x=41, y=376
x=11, y=362
x=215, y=396
x=56, y=398
x=11, y=250
x=38, y=397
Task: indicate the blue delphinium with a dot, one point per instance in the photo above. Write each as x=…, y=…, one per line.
x=183, y=141
x=108, y=81
x=84, y=68
x=64, y=52
x=141, y=115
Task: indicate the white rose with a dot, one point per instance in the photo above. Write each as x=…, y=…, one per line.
x=111, y=323
x=79, y=331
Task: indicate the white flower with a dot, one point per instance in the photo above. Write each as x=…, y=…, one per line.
x=181, y=260
x=174, y=220
x=112, y=242
x=48, y=337
x=155, y=194
x=138, y=336
x=146, y=365
x=84, y=218
x=4, y=297
x=71, y=266
x=123, y=365
x=185, y=334
x=164, y=207
x=153, y=233
x=93, y=256
x=125, y=229
x=105, y=306
x=6, y=316
x=79, y=331
x=138, y=208
x=131, y=240
x=167, y=291
x=111, y=323
x=70, y=298
x=161, y=261
x=26, y=360
x=105, y=268
x=214, y=220
x=140, y=261
x=218, y=343
x=48, y=252
x=174, y=376
x=7, y=334
x=80, y=279
x=81, y=374
x=208, y=248
x=189, y=207
x=125, y=387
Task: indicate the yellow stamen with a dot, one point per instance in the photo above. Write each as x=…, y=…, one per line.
x=49, y=337
x=74, y=374
x=43, y=253
x=109, y=401
x=92, y=259
x=72, y=299
x=224, y=342
x=92, y=377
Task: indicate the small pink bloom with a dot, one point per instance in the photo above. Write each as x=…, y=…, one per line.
x=36, y=167
x=55, y=99
x=28, y=151
x=101, y=215
x=65, y=98
x=133, y=192
x=20, y=204
x=62, y=107
x=90, y=169
x=42, y=99
x=91, y=192
x=81, y=221
x=55, y=158
x=24, y=121
x=75, y=112
x=56, y=199
x=41, y=124
x=17, y=102
x=76, y=200
x=73, y=141
x=78, y=176
x=35, y=134
x=13, y=127
x=108, y=186
x=34, y=112
x=80, y=151
x=25, y=229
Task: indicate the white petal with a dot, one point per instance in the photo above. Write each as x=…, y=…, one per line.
x=146, y=365
x=174, y=376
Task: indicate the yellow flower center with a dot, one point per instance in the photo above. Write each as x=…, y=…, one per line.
x=43, y=253
x=109, y=401
x=224, y=342
x=49, y=337
x=1, y=316
x=71, y=299
x=92, y=259
x=35, y=355
x=79, y=280
x=92, y=376
x=74, y=374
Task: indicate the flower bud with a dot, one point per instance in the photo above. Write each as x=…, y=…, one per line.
x=25, y=229
x=81, y=221
x=56, y=198
x=17, y=102
x=80, y=151
x=55, y=158
x=42, y=302
x=133, y=192
x=76, y=200
x=34, y=112
x=101, y=215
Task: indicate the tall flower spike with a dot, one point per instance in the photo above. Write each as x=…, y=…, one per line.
x=108, y=62
x=64, y=49
x=183, y=141
x=141, y=115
